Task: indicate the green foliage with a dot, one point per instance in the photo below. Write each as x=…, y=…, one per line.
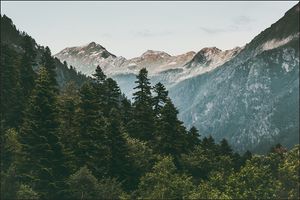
x=99, y=76
x=163, y=182
x=193, y=138
x=49, y=64
x=10, y=149
x=170, y=134
x=119, y=164
x=92, y=145
x=141, y=157
x=142, y=125
x=141, y=154
x=26, y=192
x=44, y=163
x=83, y=185
x=203, y=160
x=110, y=188
x=206, y=191
x=10, y=104
x=27, y=74
x=254, y=181
x=289, y=174
x=160, y=99
x=9, y=182
x=68, y=101
x=112, y=94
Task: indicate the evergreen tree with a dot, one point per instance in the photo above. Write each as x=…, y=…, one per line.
x=164, y=182
x=161, y=97
x=49, y=64
x=142, y=126
x=27, y=75
x=66, y=64
x=126, y=111
x=224, y=148
x=247, y=156
x=193, y=137
x=289, y=175
x=253, y=181
x=92, y=145
x=68, y=102
x=99, y=90
x=44, y=165
x=112, y=95
x=11, y=100
x=141, y=157
x=119, y=163
x=10, y=149
x=83, y=185
x=99, y=75
x=10, y=158
x=209, y=143
x=171, y=134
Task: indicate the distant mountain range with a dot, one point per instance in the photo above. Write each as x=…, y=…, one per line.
x=248, y=95
x=86, y=58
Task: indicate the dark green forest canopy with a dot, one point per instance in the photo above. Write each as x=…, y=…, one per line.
x=67, y=136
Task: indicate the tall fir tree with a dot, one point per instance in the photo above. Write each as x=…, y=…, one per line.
x=119, y=163
x=209, y=143
x=225, y=148
x=160, y=99
x=99, y=75
x=171, y=134
x=98, y=83
x=142, y=125
x=27, y=75
x=92, y=147
x=68, y=102
x=44, y=165
x=126, y=110
x=48, y=62
x=112, y=94
x=193, y=137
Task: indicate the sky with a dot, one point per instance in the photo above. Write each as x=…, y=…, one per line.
x=130, y=28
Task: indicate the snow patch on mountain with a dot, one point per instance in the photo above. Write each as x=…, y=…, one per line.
x=159, y=64
x=275, y=43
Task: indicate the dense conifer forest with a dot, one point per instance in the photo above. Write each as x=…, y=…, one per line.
x=84, y=139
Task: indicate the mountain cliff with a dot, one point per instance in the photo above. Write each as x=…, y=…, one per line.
x=253, y=99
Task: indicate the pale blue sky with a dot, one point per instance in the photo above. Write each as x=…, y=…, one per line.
x=130, y=28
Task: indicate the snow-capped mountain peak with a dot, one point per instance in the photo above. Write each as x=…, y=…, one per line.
x=210, y=50
x=152, y=53
x=85, y=58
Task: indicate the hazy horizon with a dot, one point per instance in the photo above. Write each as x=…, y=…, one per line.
x=130, y=28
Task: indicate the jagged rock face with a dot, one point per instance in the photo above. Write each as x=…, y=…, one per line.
x=250, y=104
x=84, y=58
x=253, y=99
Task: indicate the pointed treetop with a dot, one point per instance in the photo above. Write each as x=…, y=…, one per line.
x=99, y=75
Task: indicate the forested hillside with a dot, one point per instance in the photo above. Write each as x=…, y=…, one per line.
x=80, y=138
